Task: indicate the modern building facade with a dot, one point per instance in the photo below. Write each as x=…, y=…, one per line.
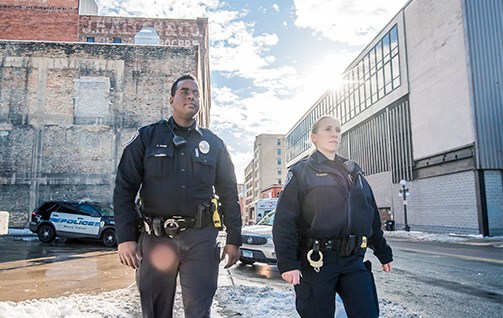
x=68, y=105
x=423, y=103
x=265, y=170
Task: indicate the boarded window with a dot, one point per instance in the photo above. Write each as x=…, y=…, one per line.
x=92, y=100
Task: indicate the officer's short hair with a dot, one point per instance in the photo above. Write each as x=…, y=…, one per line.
x=181, y=78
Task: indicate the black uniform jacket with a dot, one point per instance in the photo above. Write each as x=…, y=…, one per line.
x=173, y=181
x=320, y=201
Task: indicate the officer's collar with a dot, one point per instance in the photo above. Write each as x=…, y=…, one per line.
x=320, y=158
x=336, y=164
x=171, y=123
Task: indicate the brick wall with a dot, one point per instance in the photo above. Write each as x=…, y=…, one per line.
x=66, y=111
x=172, y=32
x=50, y=20
x=443, y=204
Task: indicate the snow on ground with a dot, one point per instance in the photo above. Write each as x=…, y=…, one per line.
x=230, y=301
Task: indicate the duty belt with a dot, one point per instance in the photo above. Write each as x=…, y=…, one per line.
x=324, y=245
x=345, y=246
x=170, y=225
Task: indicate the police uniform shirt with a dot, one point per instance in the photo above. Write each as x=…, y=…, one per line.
x=174, y=180
x=313, y=204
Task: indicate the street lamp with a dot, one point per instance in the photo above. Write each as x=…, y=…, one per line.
x=403, y=192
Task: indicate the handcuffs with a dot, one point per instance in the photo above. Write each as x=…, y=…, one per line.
x=318, y=263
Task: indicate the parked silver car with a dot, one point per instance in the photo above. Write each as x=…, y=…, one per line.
x=257, y=242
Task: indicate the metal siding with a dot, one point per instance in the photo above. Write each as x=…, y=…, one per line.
x=485, y=42
x=400, y=141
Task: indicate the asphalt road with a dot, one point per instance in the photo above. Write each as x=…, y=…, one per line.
x=429, y=279
x=444, y=279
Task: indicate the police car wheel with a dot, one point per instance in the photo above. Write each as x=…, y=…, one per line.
x=109, y=239
x=46, y=233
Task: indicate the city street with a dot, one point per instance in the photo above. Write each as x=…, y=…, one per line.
x=436, y=279
x=429, y=279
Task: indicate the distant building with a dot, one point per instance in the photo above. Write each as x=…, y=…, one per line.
x=75, y=86
x=272, y=192
x=423, y=103
x=265, y=170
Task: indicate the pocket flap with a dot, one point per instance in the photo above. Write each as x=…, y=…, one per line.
x=207, y=161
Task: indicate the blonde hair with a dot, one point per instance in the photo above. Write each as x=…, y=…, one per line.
x=316, y=125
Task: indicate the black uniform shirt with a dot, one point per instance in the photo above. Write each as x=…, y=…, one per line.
x=317, y=201
x=175, y=180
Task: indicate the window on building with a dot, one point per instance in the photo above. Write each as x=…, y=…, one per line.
x=117, y=40
x=279, y=151
x=279, y=181
x=278, y=142
x=279, y=171
x=90, y=39
x=279, y=161
x=373, y=77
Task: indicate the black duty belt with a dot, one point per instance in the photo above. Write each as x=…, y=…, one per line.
x=345, y=246
x=332, y=244
x=171, y=225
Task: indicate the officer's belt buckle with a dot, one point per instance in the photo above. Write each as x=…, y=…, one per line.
x=172, y=227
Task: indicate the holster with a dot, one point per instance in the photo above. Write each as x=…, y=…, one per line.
x=350, y=245
x=202, y=215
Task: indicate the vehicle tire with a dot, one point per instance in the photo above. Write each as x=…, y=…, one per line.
x=108, y=238
x=246, y=261
x=46, y=233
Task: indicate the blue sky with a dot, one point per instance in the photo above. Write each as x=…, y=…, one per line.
x=270, y=60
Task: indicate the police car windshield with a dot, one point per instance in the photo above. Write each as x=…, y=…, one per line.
x=106, y=211
x=268, y=219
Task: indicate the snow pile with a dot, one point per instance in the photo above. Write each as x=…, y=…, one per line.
x=230, y=301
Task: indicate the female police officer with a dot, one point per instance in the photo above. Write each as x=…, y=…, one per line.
x=325, y=219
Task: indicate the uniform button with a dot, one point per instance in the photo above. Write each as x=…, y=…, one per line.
x=183, y=187
x=183, y=170
x=181, y=153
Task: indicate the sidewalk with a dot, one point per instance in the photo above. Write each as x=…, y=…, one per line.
x=479, y=240
x=495, y=241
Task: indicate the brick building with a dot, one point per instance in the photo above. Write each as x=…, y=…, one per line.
x=68, y=106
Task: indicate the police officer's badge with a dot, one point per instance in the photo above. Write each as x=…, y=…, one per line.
x=136, y=134
x=289, y=177
x=204, y=147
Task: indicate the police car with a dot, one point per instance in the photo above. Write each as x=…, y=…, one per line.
x=257, y=242
x=74, y=219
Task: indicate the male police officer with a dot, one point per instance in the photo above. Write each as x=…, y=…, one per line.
x=176, y=165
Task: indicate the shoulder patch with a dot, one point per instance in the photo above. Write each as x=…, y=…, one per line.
x=289, y=177
x=136, y=134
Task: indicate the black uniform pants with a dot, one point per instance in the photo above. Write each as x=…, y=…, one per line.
x=194, y=255
x=348, y=276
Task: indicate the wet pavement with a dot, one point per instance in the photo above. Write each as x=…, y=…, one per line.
x=30, y=269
